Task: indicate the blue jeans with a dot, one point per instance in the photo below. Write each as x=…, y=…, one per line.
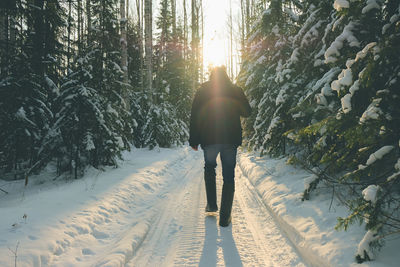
x=228, y=158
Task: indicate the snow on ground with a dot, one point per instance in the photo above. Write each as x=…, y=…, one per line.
x=150, y=212
x=100, y=219
x=309, y=224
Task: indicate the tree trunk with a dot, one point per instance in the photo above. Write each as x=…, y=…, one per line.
x=37, y=53
x=89, y=22
x=3, y=39
x=3, y=25
x=247, y=20
x=162, y=42
x=69, y=33
x=79, y=7
x=231, y=38
x=252, y=5
x=140, y=41
x=195, y=30
x=102, y=42
x=124, y=51
x=185, y=28
x=173, y=7
x=148, y=47
x=201, y=57
x=12, y=24
x=242, y=26
x=127, y=12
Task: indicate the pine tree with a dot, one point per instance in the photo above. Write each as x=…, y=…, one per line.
x=164, y=125
x=29, y=83
x=108, y=79
x=80, y=124
x=323, y=83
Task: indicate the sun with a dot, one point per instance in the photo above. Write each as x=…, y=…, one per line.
x=215, y=46
x=214, y=52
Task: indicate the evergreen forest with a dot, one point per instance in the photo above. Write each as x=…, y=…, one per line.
x=81, y=81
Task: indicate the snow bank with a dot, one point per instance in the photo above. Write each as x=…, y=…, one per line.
x=310, y=224
x=113, y=210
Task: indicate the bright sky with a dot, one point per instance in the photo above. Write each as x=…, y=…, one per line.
x=216, y=31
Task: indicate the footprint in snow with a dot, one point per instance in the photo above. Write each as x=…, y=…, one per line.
x=31, y=237
x=148, y=187
x=70, y=233
x=99, y=235
x=88, y=251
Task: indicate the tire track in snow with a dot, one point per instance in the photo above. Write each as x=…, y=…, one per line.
x=148, y=218
x=185, y=236
x=273, y=247
x=174, y=224
x=117, y=222
x=190, y=241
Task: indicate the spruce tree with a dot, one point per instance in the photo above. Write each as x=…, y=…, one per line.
x=324, y=87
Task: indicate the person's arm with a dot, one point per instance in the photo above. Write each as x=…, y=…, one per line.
x=244, y=106
x=194, y=137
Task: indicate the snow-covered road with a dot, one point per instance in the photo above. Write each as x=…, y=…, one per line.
x=148, y=212
x=183, y=235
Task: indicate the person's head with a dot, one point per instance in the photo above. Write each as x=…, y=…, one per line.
x=219, y=75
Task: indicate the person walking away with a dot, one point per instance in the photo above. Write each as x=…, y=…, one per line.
x=215, y=125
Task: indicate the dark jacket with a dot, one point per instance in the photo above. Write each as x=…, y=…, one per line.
x=216, y=112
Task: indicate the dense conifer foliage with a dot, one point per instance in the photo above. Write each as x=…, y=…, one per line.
x=68, y=96
x=324, y=80
x=82, y=81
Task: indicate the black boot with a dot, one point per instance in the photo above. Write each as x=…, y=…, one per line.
x=211, y=192
x=228, y=191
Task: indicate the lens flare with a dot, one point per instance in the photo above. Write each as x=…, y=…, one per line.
x=214, y=52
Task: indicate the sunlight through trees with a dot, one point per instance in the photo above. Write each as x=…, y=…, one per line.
x=83, y=81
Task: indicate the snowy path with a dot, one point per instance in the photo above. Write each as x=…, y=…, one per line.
x=185, y=236
x=149, y=212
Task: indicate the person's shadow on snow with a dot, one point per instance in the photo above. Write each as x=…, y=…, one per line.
x=209, y=255
x=213, y=241
x=231, y=253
